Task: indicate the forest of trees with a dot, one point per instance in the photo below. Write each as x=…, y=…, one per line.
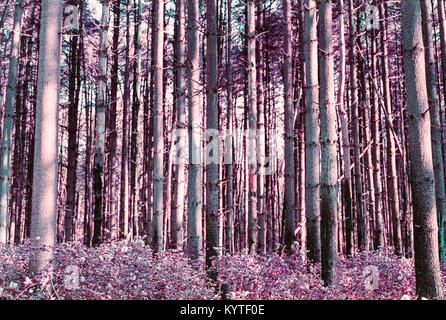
x=217, y=127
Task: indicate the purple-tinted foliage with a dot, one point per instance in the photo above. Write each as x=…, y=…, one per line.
x=130, y=271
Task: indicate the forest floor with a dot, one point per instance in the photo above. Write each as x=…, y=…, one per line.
x=130, y=271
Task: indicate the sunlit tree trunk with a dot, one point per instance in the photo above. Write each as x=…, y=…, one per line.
x=44, y=202
x=229, y=125
x=434, y=110
x=124, y=183
x=329, y=177
x=195, y=197
x=98, y=169
x=422, y=180
x=252, y=114
x=212, y=168
x=312, y=133
x=8, y=123
x=178, y=207
x=158, y=129
x=261, y=134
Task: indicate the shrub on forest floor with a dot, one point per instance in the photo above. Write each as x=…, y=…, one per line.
x=128, y=270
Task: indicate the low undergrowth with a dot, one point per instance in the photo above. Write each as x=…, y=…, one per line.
x=129, y=270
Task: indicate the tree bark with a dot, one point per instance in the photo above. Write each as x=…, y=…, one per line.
x=8, y=123
x=98, y=169
x=434, y=110
x=44, y=202
x=312, y=133
x=329, y=140
x=422, y=180
x=158, y=129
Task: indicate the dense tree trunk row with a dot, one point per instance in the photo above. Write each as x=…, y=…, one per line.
x=297, y=127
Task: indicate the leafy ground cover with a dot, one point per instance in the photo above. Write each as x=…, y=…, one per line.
x=129, y=270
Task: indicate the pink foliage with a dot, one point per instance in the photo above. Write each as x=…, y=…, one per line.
x=130, y=271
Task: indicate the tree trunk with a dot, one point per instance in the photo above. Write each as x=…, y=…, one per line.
x=252, y=114
x=434, y=110
x=212, y=168
x=329, y=177
x=180, y=65
x=98, y=170
x=195, y=197
x=312, y=133
x=422, y=180
x=8, y=123
x=347, y=181
x=124, y=194
x=44, y=202
x=158, y=129
x=72, y=140
x=392, y=178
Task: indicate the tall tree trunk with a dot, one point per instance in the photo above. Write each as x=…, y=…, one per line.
x=422, y=179
x=136, y=104
x=44, y=202
x=195, y=196
x=355, y=118
x=124, y=194
x=8, y=123
x=252, y=114
x=212, y=168
x=376, y=146
x=312, y=133
x=158, y=129
x=180, y=65
x=261, y=134
x=72, y=140
x=329, y=178
x=392, y=178
x=442, y=23
x=434, y=110
x=98, y=170
x=347, y=181
x=289, y=192
x=229, y=127
x=112, y=217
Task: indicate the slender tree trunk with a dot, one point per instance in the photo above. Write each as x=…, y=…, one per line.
x=178, y=213
x=355, y=118
x=392, y=178
x=290, y=192
x=212, y=168
x=158, y=129
x=422, y=179
x=98, y=170
x=229, y=129
x=195, y=197
x=434, y=110
x=252, y=114
x=442, y=23
x=347, y=181
x=261, y=134
x=44, y=202
x=8, y=123
x=136, y=104
x=124, y=194
x=112, y=219
x=72, y=141
x=329, y=178
x=312, y=133
x=376, y=146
